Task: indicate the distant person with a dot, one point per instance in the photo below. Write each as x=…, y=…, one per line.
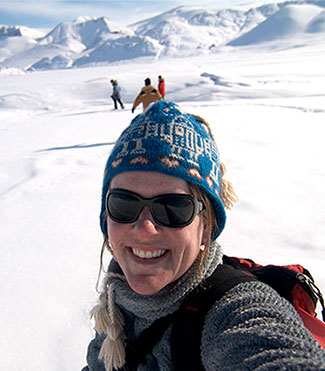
x=161, y=86
x=147, y=95
x=116, y=95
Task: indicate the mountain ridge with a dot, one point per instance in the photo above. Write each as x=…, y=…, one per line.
x=180, y=32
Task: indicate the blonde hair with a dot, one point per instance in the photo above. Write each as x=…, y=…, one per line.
x=228, y=198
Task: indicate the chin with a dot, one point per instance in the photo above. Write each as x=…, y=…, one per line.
x=147, y=288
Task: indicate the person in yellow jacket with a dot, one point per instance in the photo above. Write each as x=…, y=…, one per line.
x=147, y=95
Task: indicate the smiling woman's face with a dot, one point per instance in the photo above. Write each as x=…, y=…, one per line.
x=152, y=256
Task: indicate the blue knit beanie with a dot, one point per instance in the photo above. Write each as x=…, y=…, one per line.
x=167, y=140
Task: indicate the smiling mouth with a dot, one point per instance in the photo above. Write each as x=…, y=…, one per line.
x=148, y=254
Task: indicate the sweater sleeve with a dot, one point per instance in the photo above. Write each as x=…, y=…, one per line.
x=93, y=363
x=253, y=328
x=138, y=100
x=159, y=96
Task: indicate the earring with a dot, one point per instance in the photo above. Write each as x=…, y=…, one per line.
x=202, y=247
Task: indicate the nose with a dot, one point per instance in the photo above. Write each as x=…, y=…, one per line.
x=145, y=222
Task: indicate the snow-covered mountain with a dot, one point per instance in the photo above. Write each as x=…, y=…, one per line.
x=180, y=32
x=284, y=23
x=14, y=39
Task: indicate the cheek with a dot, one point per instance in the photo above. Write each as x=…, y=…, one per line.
x=192, y=240
x=185, y=251
x=114, y=231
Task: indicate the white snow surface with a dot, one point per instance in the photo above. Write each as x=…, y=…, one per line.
x=265, y=103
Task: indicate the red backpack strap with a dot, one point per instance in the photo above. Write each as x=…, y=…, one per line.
x=314, y=325
x=306, y=308
x=241, y=263
x=307, y=279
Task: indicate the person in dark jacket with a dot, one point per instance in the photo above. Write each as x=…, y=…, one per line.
x=147, y=95
x=163, y=204
x=116, y=95
x=161, y=86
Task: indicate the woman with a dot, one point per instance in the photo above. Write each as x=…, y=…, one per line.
x=163, y=206
x=116, y=95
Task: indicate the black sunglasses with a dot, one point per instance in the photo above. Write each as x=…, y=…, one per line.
x=173, y=210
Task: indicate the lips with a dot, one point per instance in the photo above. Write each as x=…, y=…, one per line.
x=148, y=254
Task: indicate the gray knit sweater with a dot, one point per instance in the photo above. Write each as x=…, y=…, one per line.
x=250, y=328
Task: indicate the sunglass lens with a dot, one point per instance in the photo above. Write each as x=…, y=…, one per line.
x=123, y=208
x=173, y=211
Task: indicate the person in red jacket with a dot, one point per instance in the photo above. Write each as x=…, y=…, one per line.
x=161, y=86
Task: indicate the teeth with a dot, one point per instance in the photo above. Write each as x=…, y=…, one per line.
x=148, y=255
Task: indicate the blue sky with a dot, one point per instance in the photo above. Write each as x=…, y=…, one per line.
x=49, y=13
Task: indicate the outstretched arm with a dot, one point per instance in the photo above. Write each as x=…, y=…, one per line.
x=137, y=101
x=252, y=327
